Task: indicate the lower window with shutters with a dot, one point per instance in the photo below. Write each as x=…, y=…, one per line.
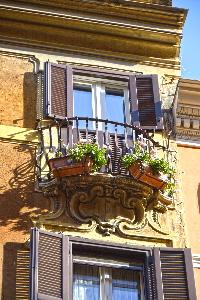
x=66, y=268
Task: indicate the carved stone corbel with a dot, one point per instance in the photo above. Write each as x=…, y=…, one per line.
x=108, y=204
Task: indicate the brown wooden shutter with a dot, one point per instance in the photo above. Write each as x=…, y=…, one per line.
x=150, y=289
x=174, y=274
x=22, y=275
x=145, y=101
x=51, y=266
x=58, y=91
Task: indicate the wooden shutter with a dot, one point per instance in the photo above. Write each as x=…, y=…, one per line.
x=58, y=91
x=145, y=101
x=174, y=274
x=22, y=275
x=51, y=266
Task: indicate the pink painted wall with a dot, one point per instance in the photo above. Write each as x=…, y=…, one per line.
x=189, y=167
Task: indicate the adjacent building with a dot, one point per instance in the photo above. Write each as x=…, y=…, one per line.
x=104, y=72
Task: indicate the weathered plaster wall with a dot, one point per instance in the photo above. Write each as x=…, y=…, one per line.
x=18, y=202
x=189, y=165
x=17, y=92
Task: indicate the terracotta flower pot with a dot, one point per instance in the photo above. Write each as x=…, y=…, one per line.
x=144, y=173
x=65, y=166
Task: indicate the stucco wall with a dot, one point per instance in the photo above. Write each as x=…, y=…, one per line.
x=17, y=92
x=189, y=164
x=18, y=202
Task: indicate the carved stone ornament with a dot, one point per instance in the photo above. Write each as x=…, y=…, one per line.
x=104, y=203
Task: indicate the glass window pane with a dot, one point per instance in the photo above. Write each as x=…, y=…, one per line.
x=125, y=284
x=82, y=103
x=114, y=107
x=86, y=282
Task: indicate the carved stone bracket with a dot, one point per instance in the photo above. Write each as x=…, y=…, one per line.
x=108, y=204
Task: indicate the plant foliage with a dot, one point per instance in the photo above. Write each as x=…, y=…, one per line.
x=158, y=165
x=89, y=148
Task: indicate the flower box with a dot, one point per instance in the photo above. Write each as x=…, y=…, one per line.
x=145, y=174
x=65, y=166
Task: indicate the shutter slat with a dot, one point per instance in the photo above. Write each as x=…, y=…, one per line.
x=50, y=266
x=145, y=101
x=146, y=107
x=22, y=275
x=58, y=90
x=174, y=275
x=116, y=153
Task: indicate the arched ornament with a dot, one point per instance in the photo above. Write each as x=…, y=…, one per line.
x=106, y=204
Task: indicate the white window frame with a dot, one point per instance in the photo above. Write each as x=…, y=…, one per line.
x=98, y=89
x=106, y=276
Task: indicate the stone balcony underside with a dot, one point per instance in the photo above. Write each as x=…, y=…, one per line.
x=105, y=204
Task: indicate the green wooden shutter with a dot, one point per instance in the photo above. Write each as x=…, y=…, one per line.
x=51, y=266
x=58, y=91
x=145, y=101
x=174, y=274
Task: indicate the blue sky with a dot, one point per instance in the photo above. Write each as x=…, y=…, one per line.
x=190, y=45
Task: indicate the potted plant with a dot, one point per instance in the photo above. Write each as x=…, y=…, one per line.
x=148, y=168
x=83, y=158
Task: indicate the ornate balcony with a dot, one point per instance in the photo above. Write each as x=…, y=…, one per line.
x=117, y=138
x=109, y=200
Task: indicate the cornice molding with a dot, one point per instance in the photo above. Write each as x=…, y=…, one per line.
x=17, y=54
x=86, y=19
x=116, y=8
x=122, y=36
x=187, y=134
x=187, y=108
x=88, y=53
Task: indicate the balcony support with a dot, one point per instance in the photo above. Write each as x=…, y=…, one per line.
x=106, y=204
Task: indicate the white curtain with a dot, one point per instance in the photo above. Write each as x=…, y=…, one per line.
x=102, y=283
x=125, y=284
x=86, y=282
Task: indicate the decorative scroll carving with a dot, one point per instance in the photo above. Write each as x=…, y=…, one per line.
x=107, y=204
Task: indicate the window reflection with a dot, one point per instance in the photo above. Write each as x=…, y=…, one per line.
x=102, y=283
x=83, y=103
x=114, y=108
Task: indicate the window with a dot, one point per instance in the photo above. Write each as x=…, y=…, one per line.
x=93, y=282
x=122, y=97
x=102, y=100
x=143, y=273
x=97, y=278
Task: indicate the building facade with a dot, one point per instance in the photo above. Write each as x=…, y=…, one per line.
x=103, y=72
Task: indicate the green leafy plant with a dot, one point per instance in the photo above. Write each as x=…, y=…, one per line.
x=158, y=165
x=130, y=159
x=170, y=188
x=82, y=149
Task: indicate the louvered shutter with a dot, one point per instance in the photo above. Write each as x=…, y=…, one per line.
x=22, y=275
x=51, y=266
x=174, y=274
x=145, y=101
x=58, y=92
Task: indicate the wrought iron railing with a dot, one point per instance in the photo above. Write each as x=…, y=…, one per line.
x=118, y=141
